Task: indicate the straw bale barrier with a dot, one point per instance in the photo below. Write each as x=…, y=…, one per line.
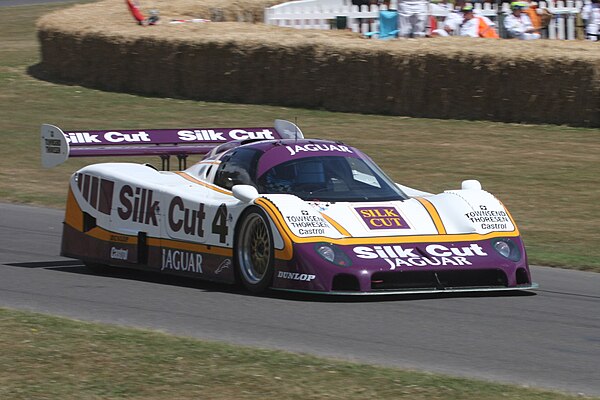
x=98, y=45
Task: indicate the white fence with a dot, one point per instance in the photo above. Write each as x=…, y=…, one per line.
x=323, y=14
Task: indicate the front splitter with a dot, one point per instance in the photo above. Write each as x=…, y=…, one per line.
x=488, y=289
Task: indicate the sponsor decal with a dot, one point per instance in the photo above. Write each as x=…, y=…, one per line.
x=306, y=221
x=159, y=136
x=119, y=238
x=119, y=254
x=382, y=217
x=310, y=232
x=321, y=206
x=490, y=219
x=137, y=205
x=52, y=146
x=226, y=264
x=110, y=137
x=179, y=260
x=190, y=220
x=97, y=192
x=209, y=135
x=432, y=255
x=295, y=276
x=317, y=147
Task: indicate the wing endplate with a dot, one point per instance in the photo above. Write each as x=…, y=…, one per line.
x=55, y=147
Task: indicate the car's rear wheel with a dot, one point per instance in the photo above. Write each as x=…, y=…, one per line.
x=254, y=253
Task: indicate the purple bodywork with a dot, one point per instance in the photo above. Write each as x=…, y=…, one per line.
x=159, y=141
x=407, y=267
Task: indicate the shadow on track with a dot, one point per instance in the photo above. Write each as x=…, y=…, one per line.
x=77, y=267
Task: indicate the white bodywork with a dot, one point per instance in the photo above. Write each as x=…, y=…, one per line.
x=186, y=199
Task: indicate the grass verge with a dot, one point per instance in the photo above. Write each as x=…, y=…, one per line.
x=50, y=357
x=546, y=175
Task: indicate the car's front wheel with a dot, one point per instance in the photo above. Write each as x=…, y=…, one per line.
x=254, y=253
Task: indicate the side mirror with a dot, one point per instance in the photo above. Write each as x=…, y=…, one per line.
x=471, y=184
x=245, y=193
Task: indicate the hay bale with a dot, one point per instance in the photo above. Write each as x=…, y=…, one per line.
x=99, y=45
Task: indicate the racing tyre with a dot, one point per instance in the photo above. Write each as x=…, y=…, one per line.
x=254, y=252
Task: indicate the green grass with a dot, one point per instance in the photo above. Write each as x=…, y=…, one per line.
x=46, y=357
x=546, y=175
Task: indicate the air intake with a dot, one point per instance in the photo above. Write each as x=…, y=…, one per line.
x=398, y=280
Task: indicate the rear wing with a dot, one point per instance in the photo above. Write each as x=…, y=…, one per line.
x=58, y=146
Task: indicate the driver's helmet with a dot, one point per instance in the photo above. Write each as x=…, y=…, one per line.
x=280, y=179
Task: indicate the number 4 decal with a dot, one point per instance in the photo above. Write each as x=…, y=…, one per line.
x=219, y=224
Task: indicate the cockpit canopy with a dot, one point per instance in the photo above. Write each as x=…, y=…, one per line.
x=310, y=169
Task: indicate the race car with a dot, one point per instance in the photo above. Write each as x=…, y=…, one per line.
x=270, y=209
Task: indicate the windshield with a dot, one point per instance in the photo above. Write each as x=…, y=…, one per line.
x=330, y=178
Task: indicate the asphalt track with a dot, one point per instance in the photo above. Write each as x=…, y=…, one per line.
x=550, y=339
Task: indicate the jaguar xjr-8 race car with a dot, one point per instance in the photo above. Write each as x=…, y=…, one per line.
x=270, y=209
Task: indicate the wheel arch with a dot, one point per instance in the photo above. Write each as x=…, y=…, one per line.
x=281, y=242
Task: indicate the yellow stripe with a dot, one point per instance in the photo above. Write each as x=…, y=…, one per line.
x=509, y=216
x=289, y=236
x=287, y=252
x=336, y=225
x=433, y=213
x=73, y=213
x=105, y=235
x=190, y=178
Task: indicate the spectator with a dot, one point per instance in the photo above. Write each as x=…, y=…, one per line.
x=464, y=22
x=586, y=10
x=540, y=17
x=476, y=26
x=413, y=17
x=442, y=7
x=451, y=22
x=518, y=25
x=593, y=24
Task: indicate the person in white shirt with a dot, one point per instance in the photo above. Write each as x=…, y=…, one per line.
x=518, y=24
x=476, y=26
x=586, y=11
x=464, y=21
x=593, y=23
x=451, y=22
x=413, y=17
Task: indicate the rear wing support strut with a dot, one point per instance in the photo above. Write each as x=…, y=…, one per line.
x=166, y=162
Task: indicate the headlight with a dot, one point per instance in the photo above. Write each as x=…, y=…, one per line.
x=507, y=249
x=333, y=254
